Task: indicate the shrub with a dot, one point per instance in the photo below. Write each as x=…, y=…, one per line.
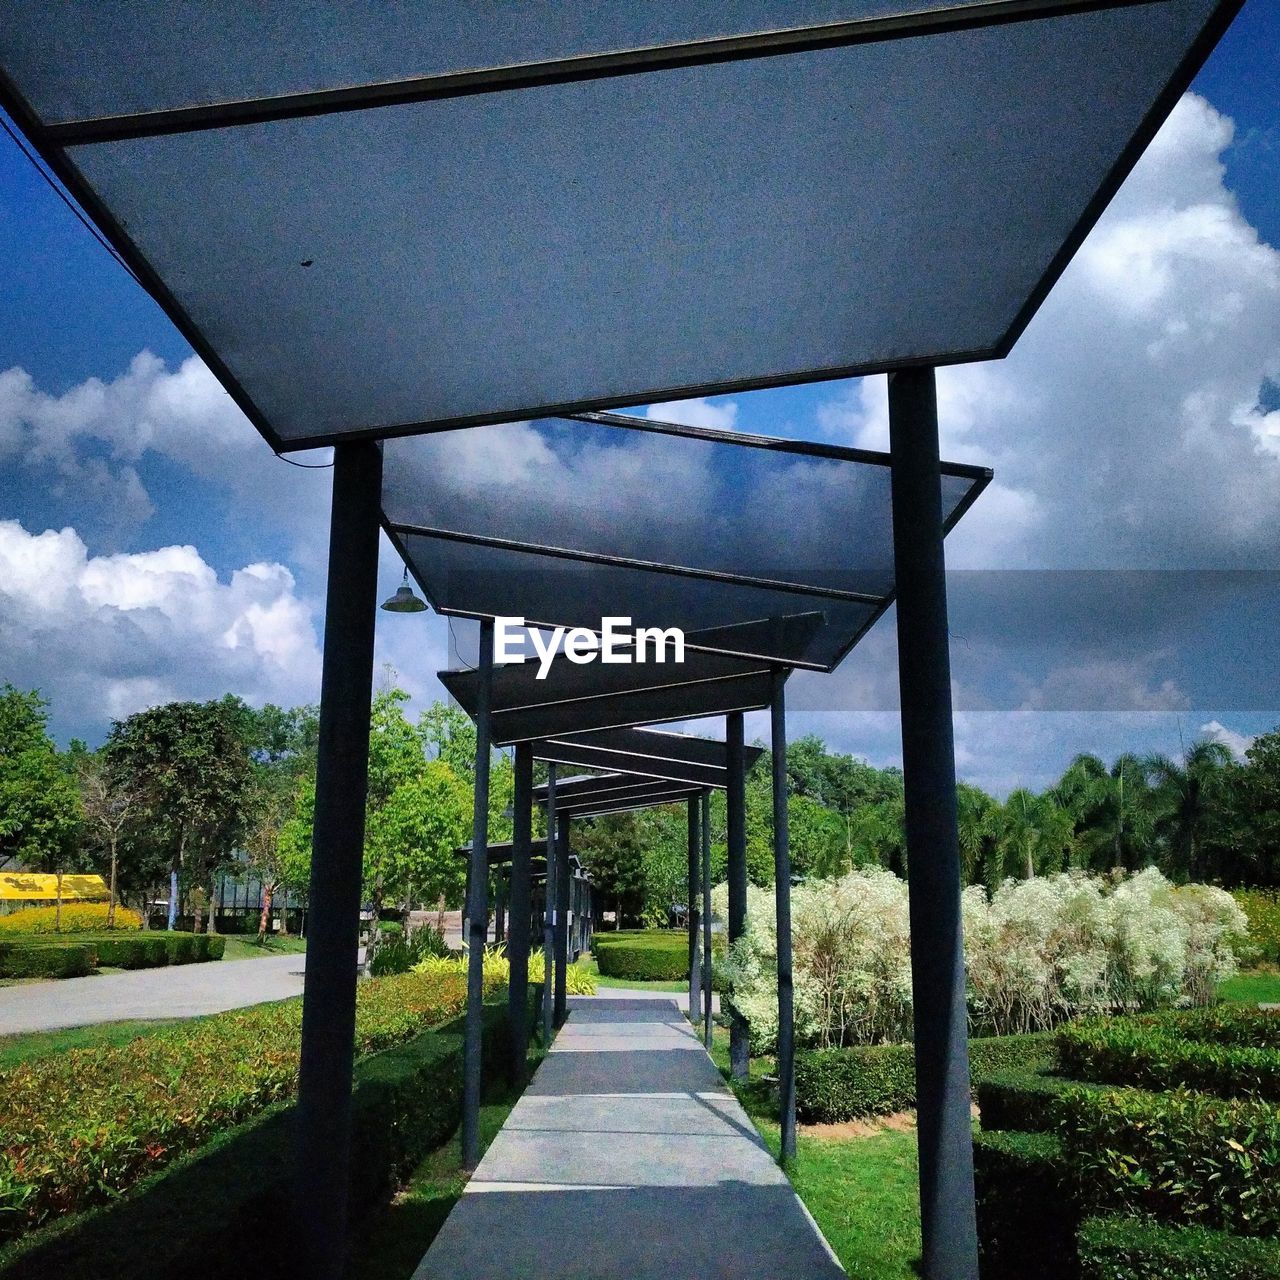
x=217, y=946
x=1024, y=1101
x=1182, y=1157
x=80, y=1128
x=405, y=1102
x=1262, y=909
x=497, y=969
x=77, y=917
x=833, y=1085
x=28, y=958
x=643, y=955
x=1133, y=1249
x=181, y=946
x=1026, y=1219
x=398, y=953
x=1154, y=1055
x=131, y=950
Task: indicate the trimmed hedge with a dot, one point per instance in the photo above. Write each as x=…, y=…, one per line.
x=83, y=1127
x=76, y=917
x=643, y=955
x=1179, y=1157
x=36, y=958
x=1027, y=1218
x=1133, y=1249
x=833, y=1085
x=236, y=1188
x=1160, y=1055
x=1022, y=1101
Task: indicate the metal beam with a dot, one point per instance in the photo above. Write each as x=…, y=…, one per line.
x=736, y=803
x=949, y=1234
x=549, y=915
x=601, y=808
x=706, y=919
x=333, y=926
x=567, y=70
x=569, y=753
x=562, y=917
x=782, y=902
x=477, y=909
x=521, y=914
x=693, y=912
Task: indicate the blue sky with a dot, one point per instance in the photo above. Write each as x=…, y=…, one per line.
x=152, y=547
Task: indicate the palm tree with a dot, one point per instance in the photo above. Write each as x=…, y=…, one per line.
x=1186, y=792
x=973, y=818
x=1113, y=808
x=1032, y=833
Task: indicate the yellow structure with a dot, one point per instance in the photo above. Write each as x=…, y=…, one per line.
x=20, y=887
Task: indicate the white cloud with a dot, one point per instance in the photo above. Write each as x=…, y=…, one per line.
x=1238, y=743
x=108, y=635
x=696, y=413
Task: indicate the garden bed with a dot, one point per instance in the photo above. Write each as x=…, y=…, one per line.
x=46, y=955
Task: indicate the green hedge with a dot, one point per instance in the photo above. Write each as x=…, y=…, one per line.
x=1133, y=1249
x=1027, y=1218
x=643, y=955
x=1179, y=1157
x=833, y=1085
x=234, y=1192
x=1026, y=1101
x=37, y=958
x=1159, y=1055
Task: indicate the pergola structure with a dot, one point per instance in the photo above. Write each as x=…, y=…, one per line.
x=376, y=222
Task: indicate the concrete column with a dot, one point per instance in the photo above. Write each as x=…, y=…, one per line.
x=782, y=901
x=521, y=913
x=693, y=918
x=736, y=797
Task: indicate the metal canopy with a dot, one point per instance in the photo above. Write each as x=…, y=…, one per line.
x=653, y=753
x=654, y=799
x=752, y=545
x=446, y=217
x=614, y=789
x=576, y=699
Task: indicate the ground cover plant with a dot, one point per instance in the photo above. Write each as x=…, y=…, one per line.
x=579, y=980
x=75, y=917
x=82, y=1127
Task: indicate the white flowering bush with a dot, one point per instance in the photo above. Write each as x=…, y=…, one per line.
x=1037, y=952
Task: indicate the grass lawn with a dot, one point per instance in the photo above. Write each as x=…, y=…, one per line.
x=399, y=1236
x=862, y=1191
x=40, y=1044
x=1259, y=986
x=588, y=962
x=247, y=946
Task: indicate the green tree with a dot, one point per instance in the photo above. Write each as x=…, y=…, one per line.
x=40, y=811
x=1033, y=834
x=612, y=849
x=818, y=838
x=111, y=802
x=974, y=813
x=449, y=735
x=1186, y=795
x=1113, y=811
x=190, y=763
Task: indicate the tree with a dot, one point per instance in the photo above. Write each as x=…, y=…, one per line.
x=1033, y=834
x=1186, y=793
x=111, y=803
x=1113, y=811
x=975, y=811
x=818, y=838
x=612, y=849
x=40, y=810
x=190, y=762
x=448, y=735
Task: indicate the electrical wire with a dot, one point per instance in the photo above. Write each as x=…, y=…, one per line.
x=306, y=466
x=56, y=188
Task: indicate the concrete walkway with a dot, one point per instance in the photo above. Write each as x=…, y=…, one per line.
x=183, y=991
x=627, y=1158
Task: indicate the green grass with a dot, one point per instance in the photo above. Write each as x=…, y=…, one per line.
x=40, y=1044
x=396, y=1240
x=588, y=962
x=1259, y=986
x=247, y=946
x=862, y=1192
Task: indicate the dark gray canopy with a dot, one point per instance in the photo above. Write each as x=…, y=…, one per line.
x=675, y=757
x=375, y=219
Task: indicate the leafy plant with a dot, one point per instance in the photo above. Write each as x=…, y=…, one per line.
x=77, y=917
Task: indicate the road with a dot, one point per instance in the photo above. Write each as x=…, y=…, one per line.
x=182, y=991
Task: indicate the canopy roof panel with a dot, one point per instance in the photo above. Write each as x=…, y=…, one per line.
x=579, y=698
x=677, y=757
x=378, y=223
x=751, y=545
x=672, y=793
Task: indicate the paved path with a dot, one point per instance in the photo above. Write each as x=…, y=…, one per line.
x=627, y=1158
x=182, y=991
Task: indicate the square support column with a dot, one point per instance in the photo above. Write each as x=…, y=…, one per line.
x=736, y=804
x=562, y=920
x=693, y=914
x=782, y=902
x=947, y=1217
x=706, y=919
x=549, y=915
x=521, y=913
x=477, y=909
x=323, y=1112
